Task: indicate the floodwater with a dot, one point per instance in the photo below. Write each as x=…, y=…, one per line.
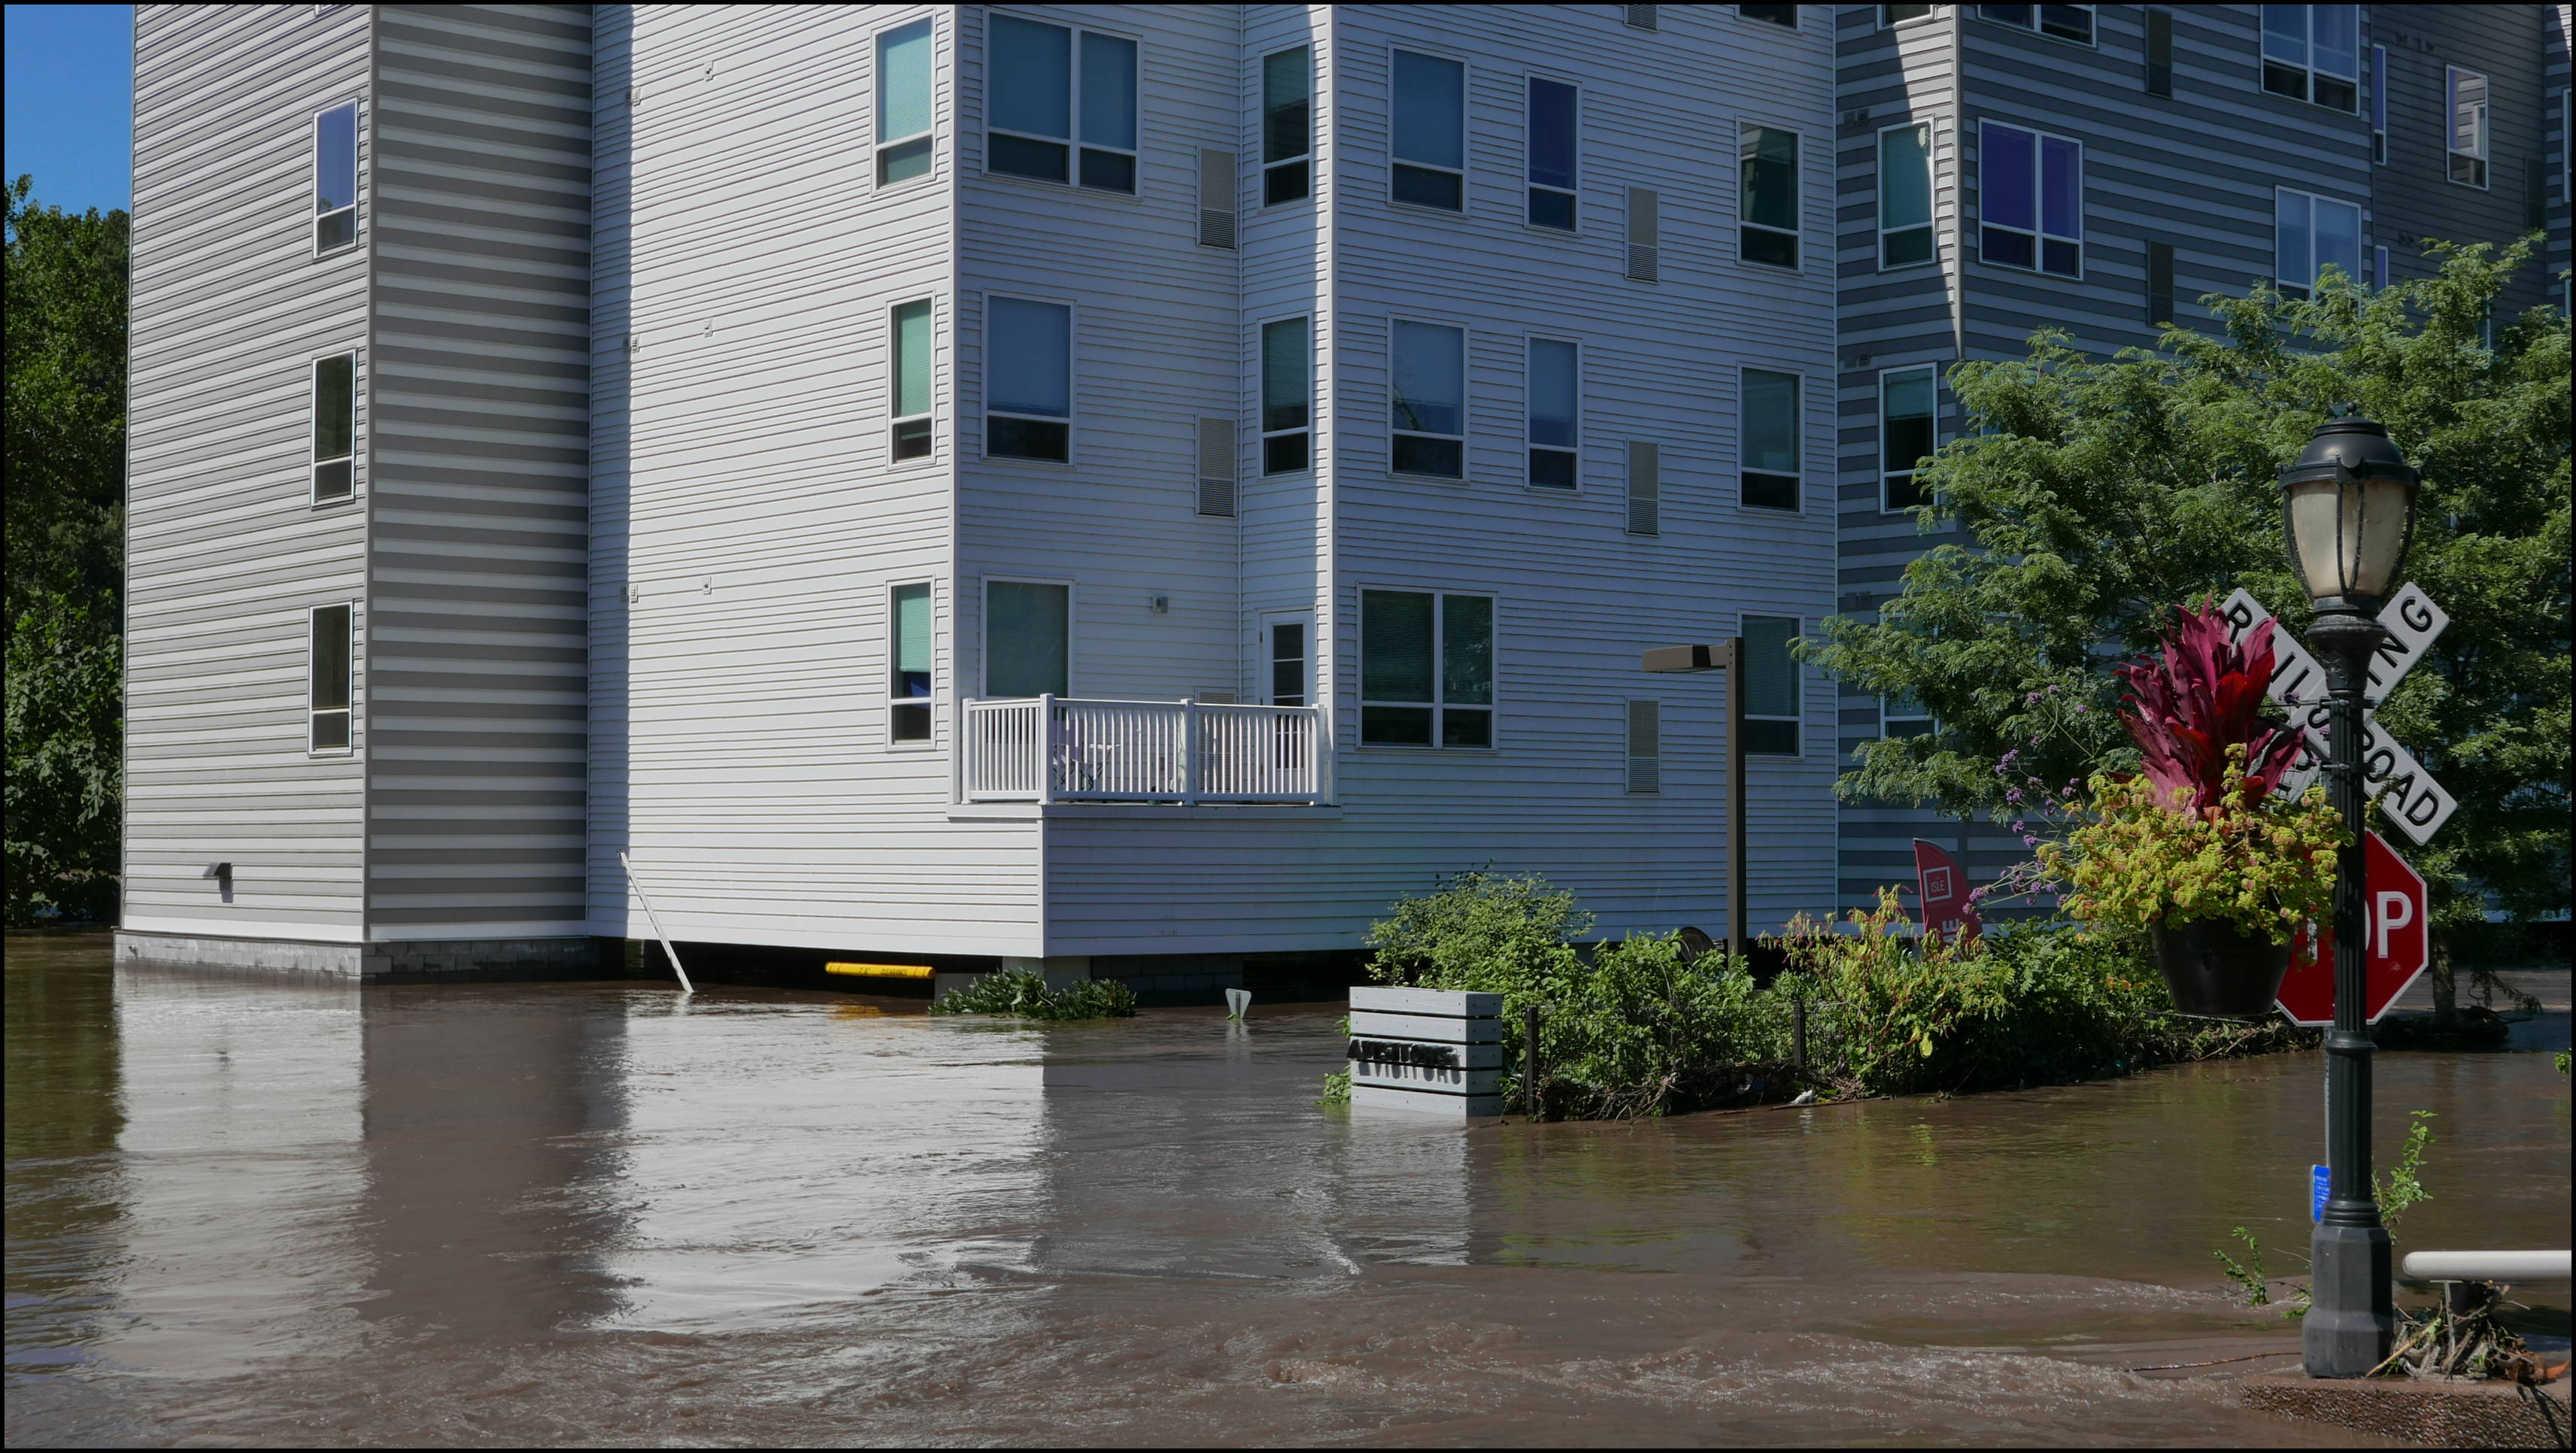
x=243, y=1211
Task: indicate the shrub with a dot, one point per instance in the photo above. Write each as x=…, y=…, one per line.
x=1024, y=992
x=2145, y=860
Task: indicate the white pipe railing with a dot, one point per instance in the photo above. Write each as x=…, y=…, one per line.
x=1075, y=749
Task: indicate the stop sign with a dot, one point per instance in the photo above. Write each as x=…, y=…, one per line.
x=2399, y=943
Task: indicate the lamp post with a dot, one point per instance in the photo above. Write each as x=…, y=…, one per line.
x=2348, y=510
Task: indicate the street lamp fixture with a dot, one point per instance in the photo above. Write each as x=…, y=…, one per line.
x=2348, y=510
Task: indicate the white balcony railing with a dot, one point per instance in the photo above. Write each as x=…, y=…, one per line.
x=1068, y=749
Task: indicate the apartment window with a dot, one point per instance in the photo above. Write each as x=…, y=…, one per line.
x=1781, y=15
x=1771, y=709
x=1430, y=132
x=1903, y=716
x=1287, y=126
x=1553, y=110
x=2379, y=104
x=2309, y=232
x=2160, y=284
x=908, y=664
x=1767, y=198
x=2379, y=267
x=2159, y=52
x=331, y=670
x=1646, y=741
x=1028, y=380
x=2030, y=201
x=1426, y=669
x=2066, y=22
x=1905, y=195
x=335, y=426
x=1906, y=397
x=1430, y=389
x=910, y=329
x=1773, y=425
x=1062, y=105
x=1640, y=17
x=1555, y=411
x=1289, y=673
x=1891, y=16
x=1287, y=394
x=335, y=178
x=2467, y=91
x=1645, y=487
x=1026, y=629
x=903, y=103
x=2313, y=53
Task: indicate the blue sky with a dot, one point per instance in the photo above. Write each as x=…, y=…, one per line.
x=70, y=98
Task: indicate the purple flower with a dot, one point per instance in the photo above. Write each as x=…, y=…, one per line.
x=2013, y=796
x=2079, y=706
x=2033, y=699
x=2029, y=841
x=2066, y=792
x=2052, y=688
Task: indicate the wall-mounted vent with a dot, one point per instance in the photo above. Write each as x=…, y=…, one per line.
x=1645, y=229
x=1216, y=467
x=1645, y=488
x=1216, y=197
x=1641, y=17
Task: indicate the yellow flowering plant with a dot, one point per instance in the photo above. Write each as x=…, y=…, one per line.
x=2144, y=858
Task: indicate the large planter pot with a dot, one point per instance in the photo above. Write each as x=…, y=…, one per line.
x=2219, y=970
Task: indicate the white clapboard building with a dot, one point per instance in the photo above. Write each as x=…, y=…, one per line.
x=1132, y=487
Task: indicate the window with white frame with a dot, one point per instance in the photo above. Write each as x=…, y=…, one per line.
x=2066, y=22
x=1902, y=716
x=1645, y=747
x=1287, y=394
x=335, y=427
x=1287, y=126
x=1428, y=375
x=2379, y=104
x=1774, y=426
x=330, y=670
x=2030, y=200
x=903, y=103
x=1772, y=710
x=1426, y=669
x=1028, y=380
x=908, y=645
x=2467, y=139
x=2309, y=232
x=1429, y=132
x=909, y=333
x=1767, y=196
x=1552, y=144
x=1027, y=635
x=2313, y=53
x=1062, y=105
x=1907, y=398
x=1905, y=195
x=1289, y=674
x=1555, y=407
x=335, y=178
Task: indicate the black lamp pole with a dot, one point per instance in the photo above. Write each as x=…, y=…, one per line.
x=2348, y=507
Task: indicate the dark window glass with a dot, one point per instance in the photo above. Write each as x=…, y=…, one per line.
x=909, y=648
x=1024, y=639
x=1415, y=454
x=1288, y=663
x=912, y=439
x=1770, y=738
x=1032, y=78
x=1775, y=14
x=1396, y=645
x=335, y=425
x=1395, y=726
x=1286, y=106
x=1287, y=374
x=1020, y=157
x=2159, y=52
x=1775, y=249
x=335, y=178
x=1283, y=453
x=1552, y=210
x=1551, y=134
x=1109, y=171
x=1551, y=468
x=1027, y=439
x=1430, y=138
x=1770, y=491
x=1418, y=187
x=1286, y=182
x=2008, y=173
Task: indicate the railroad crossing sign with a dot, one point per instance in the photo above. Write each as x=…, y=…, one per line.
x=2399, y=943
x=2407, y=794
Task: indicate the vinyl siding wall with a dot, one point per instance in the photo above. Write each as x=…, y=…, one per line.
x=2415, y=197
x=225, y=552
x=479, y=518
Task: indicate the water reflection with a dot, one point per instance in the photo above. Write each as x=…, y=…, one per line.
x=243, y=1210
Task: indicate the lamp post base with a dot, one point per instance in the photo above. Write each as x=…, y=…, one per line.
x=2348, y=1327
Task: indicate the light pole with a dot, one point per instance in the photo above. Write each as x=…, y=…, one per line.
x=2348, y=509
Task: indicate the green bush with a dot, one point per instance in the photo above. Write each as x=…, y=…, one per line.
x=1629, y=1028
x=1024, y=992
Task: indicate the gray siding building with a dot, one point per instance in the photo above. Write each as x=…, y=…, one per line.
x=1127, y=489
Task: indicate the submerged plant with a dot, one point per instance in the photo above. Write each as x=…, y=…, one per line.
x=1024, y=992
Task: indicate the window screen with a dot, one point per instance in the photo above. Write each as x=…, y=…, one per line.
x=1287, y=126
x=1905, y=431
x=1773, y=424
x=1767, y=196
x=1555, y=412
x=1024, y=639
x=1430, y=132
x=1028, y=379
x=1429, y=374
x=1905, y=196
x=1771, y=698
x=1287, y=393
x=1551, y=145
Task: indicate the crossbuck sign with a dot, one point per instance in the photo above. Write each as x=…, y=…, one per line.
x=2408, y=795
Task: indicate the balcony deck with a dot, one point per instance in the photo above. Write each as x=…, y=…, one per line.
x=1078, y=749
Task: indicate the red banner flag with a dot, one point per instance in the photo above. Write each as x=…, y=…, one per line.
x=1943, y=885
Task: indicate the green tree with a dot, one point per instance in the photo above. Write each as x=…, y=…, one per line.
x=66, y=336
x=2098, y=494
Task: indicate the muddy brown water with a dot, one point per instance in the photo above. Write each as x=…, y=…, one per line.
x=244, y=1211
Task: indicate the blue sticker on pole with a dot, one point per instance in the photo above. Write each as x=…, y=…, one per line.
x=2319, y=1183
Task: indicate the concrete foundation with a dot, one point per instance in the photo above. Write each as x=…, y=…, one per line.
x=426, y=961
x=2445, y=1414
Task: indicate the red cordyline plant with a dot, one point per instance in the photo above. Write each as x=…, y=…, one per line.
x=2203, y=697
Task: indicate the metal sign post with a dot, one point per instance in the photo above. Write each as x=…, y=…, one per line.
x=1664, y=660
